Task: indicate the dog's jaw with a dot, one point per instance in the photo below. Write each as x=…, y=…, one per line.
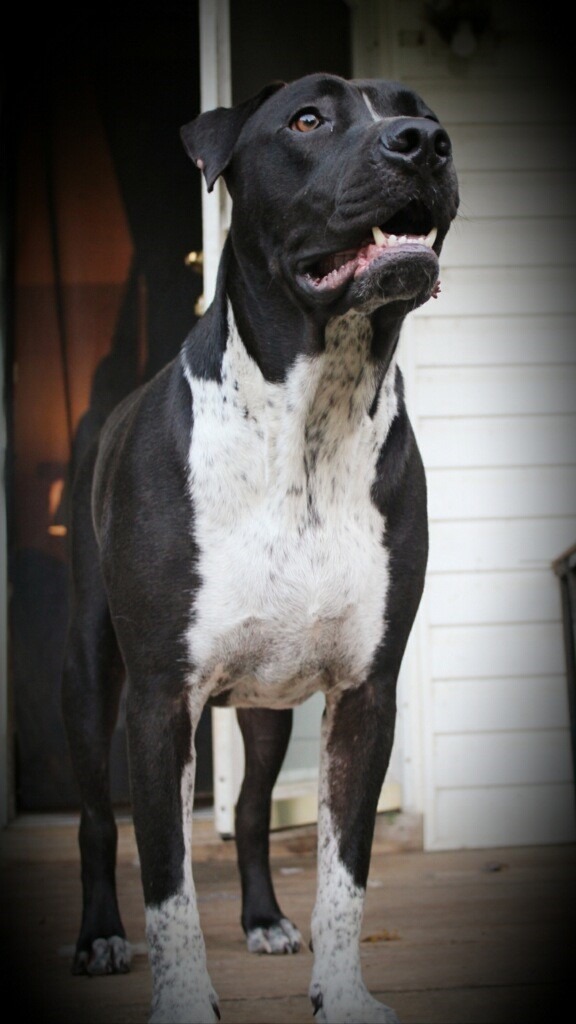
x=406, y=279
x=340, y=267
x=406, y=273
x=345, y=271
x=393, y=261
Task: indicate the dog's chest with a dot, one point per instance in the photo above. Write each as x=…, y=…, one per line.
x=292, y=561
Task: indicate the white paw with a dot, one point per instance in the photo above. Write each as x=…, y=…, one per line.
x=107, y=956
x=339, y=1003
x=282, y=937
x=197, y=1009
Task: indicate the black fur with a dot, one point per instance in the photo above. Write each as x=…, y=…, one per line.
x=298, y=198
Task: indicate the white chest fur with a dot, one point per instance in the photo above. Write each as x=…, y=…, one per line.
x=293, y=568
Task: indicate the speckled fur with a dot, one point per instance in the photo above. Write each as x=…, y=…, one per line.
x=337, y=991
x=182, y=989
x=291, y=556
x=294, y=580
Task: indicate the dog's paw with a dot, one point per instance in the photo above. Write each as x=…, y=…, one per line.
x=106, y=956
x=342, y=1004
x=199, y=1010
x=282, y=937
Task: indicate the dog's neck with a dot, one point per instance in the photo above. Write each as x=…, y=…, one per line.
x=336, y=399
x=325, y=382
x=287, y=331
x=302, y=446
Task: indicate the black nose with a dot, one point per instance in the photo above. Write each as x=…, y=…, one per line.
x=416, y=141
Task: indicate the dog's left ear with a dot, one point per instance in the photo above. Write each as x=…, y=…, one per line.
x=209, y=140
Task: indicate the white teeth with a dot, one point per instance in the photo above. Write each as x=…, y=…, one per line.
x=382, y=239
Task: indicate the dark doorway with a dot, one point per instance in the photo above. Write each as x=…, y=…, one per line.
x=105, y=207
x=271, y=42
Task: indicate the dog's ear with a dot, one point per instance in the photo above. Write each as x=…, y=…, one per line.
x=209, y=140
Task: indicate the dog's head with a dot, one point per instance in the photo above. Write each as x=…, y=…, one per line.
x=343, y=191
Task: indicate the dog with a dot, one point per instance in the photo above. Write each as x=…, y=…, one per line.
x=251, y=527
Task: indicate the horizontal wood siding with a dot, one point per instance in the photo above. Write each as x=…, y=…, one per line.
x=489, y=340
x=546, y=439
x=504, y=545
x=486, y=598
x=491, y=381
x=508, y=704
x=503, y=815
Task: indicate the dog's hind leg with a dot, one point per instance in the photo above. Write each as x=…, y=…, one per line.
x=266, y=734
x=91, y=687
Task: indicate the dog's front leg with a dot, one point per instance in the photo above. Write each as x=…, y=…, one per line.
x=162, y=762
x=357, y=735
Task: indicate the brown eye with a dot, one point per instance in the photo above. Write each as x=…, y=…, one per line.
x=307, y=121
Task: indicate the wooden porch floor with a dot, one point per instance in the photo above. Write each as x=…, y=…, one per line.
x=468, y=937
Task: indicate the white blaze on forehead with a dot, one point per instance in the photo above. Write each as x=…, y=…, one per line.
x=374, y=115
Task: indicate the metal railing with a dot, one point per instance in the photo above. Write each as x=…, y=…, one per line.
x=565, y=568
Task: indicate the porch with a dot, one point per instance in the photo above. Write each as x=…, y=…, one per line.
x=460, y=937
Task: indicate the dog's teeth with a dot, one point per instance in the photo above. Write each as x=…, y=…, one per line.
x=383, y=240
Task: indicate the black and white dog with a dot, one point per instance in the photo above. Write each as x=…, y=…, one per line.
x=251, y=528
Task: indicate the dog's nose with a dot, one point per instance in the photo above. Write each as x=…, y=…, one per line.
x=416, y=141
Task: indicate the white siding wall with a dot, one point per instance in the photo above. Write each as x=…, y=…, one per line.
x=491, y=375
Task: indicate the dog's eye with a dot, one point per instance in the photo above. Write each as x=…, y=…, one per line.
x=306, y=121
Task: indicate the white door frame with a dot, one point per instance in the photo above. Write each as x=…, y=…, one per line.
x=215, y=91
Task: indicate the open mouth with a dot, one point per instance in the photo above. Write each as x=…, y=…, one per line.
x=401, y=233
